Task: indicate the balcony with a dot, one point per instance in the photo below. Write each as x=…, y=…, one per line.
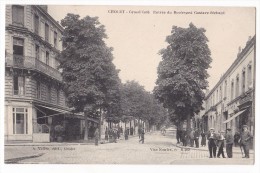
x=32, y=63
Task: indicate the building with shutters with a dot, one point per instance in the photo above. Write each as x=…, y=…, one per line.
x=230, y=104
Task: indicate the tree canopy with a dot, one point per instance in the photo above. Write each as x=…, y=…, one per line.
x=136, y=102
x=182, y=73
x=90, y=77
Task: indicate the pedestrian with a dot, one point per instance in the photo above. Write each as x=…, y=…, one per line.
x=245, y=140
x=118, y=133
x=192, y=137
x=220, y=144
x=106, y=134
x=178, y=135
x=114, y=135
x=236, y=138
x=96, y=134
x=229, y=143
x=203, y=139
x=142, y=136
x=139, y=132
x=212, y=143
x=126, y=134
x=184, y=138
x=196, y=138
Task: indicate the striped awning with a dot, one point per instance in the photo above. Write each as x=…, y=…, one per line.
x=234, y=116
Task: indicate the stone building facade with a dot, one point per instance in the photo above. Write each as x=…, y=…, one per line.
x=230, y=104
x=35, y=101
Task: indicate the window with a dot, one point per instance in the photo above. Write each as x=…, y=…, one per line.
x=20, y=121
x=49, y=93
x=46, y=32
x=36, y=24
x=213, y=99
x=237, y=86
x=18, y=51
x=225, y=89
x=18, y=15
x=37, y=51
x=217, y=97
x=38, y=90
x=55, y=39
x=47, y=58
x=58, y=97
x=18, y=85
x=249, y=75
x=243, y=81
x=220, y=93
x=232, y=90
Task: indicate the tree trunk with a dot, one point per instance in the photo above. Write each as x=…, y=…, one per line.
x=134, y=127
x=188, y=128
x=86, y=127
x=100, y=121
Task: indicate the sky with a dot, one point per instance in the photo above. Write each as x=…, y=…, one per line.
x=137, y=36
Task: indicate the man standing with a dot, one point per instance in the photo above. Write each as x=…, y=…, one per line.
x=192, y=137
x=142, y=136
x=196, y=137
x=229, y=143
x=139, y=132
x=184, y=138
x=178, y=135
x=236, y=138
x=220, y=142
x=245, y=140
x=212, y=143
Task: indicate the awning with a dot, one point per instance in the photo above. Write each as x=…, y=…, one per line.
x=234, y=116
x=60, y=111
x=54, y=109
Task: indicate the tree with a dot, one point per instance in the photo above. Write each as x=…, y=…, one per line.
x=137, y=103
x=88, y=72
x=182, y=73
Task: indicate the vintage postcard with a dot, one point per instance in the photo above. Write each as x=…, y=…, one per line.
x=129, y=85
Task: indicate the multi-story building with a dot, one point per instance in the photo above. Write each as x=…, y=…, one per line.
x=230, y=104
x=35, y=101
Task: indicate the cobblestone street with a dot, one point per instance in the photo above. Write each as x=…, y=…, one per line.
x=157, y=149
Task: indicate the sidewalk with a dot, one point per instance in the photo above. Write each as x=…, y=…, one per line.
x=75, y=142
x=235, y=149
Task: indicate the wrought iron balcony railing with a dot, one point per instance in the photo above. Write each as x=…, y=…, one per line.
x=33, y=64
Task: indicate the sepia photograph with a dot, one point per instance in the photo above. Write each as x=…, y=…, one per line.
x=129, y=85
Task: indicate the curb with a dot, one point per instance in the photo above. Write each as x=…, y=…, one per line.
x=16, y=160
x=192, y=148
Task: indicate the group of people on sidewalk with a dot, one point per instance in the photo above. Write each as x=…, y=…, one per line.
x=192, y=138
x=113, y=134
x=216, y=141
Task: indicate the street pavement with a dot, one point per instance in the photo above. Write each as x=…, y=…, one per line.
x=157, y=149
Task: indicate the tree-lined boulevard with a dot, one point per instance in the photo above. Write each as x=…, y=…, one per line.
x=93, y=87
x=157, y=149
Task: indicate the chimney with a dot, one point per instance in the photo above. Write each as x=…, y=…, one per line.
x=239, y=50
x=249, y=38
x=44, y=7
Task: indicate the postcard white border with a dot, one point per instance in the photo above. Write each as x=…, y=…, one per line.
x=129, y=168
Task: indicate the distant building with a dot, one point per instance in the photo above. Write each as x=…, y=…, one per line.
x=230, y=104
